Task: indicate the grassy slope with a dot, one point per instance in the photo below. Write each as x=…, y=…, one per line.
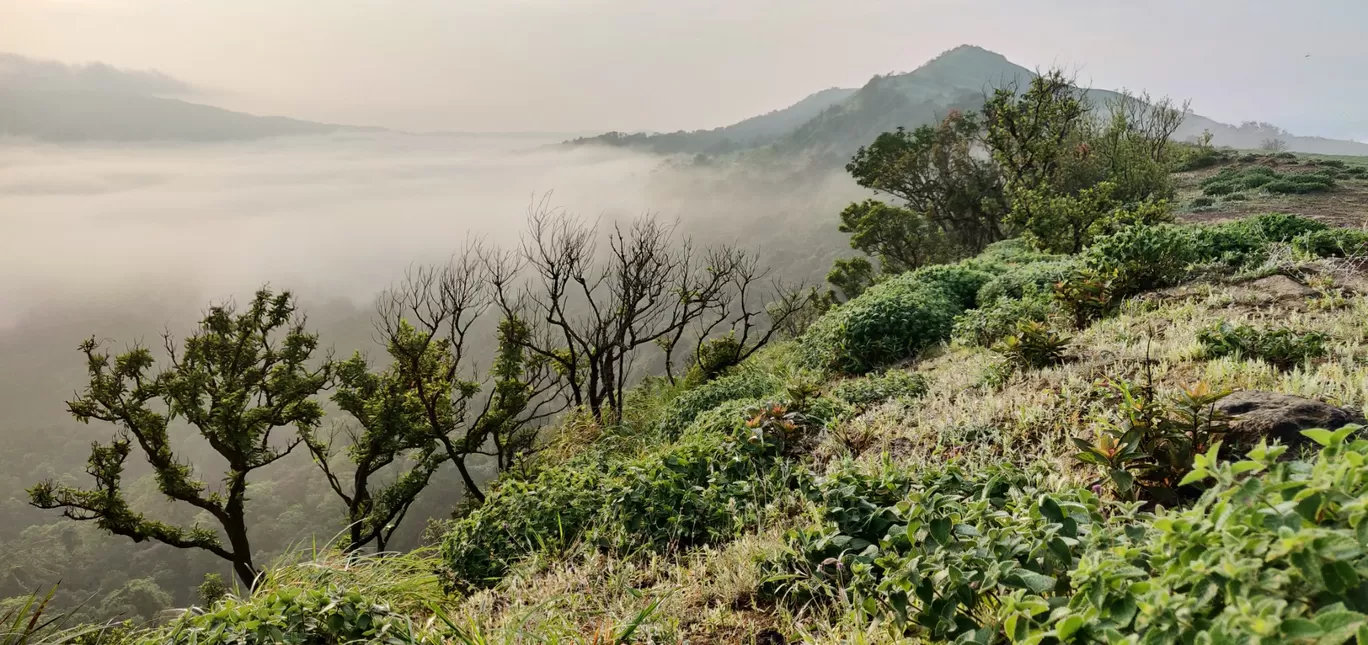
x=709, y=595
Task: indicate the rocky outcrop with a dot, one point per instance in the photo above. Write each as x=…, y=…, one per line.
x=1280, y=417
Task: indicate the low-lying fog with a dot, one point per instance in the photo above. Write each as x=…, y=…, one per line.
x=123, y=241
x=328, y=215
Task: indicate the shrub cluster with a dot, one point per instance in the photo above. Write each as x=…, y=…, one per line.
x=1333, y=242
x=1233, y=180
x=1281, y=347
x=1273, y=551
x=707, y=487
x=1139, y=258
x=937, y=553
x=1277, y=557
x=892, y=321
x=682, y=411
x=865, y=391
x=293, y=615
x=997, y=318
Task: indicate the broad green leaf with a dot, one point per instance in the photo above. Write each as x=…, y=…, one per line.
x=940, y=530
x=1297, y=628
x=1069, y=626
x=1318, y=435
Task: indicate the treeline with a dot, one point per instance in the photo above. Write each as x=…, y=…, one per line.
x=1040, y=162
x=574, y=321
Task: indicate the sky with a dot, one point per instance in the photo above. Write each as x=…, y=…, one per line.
x=597, y=65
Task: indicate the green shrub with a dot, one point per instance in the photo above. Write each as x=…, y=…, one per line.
x=1301, y=184
x=293, y=615
x=890, y=322
x=1276, y=557
x=682, y=411
x=1014, y=251
x=1234, y=243
x=521, y=517
x=1019, y=280
x=706, y=487
x=1146, y=447
x=1333, y=163
x=1143, y=257
x=961, y=281
x=1333, y=242
x=1283, y=227
x=713, y=357
x=866, y=391
x=1033, y=345
x=1217, y=189
x=990, y=323
x=1087, y=295
x=935, y=554
x=1280, y=347
x=1202, y=202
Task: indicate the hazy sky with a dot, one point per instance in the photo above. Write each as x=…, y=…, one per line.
x=592, y=65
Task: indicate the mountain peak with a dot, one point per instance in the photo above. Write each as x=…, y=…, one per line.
x=970, y=62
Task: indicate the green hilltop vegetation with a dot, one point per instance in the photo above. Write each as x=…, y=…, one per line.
x=1049, y=401
x=830, y=125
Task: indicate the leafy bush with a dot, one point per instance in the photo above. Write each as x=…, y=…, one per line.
x=1280, y=347
x=707, y=487
x=713, y=357
x=521, y=517
x=1033, y=345
x=1232, y=180
x=1276, y=557
x=866, y=391
x=1236, y=243
x=1217, y=189
x=990, y=323
x=1017, y=281
x=1300, y=184
x=1283, y=227
x=304, y=616
x=961, y=282
x=688, y=406
x=1087, y=295
x=890, y=322
x=935, y=554
x=1202, y=202
x=1143, y=257
x=1148, y=447
x=1333, y=242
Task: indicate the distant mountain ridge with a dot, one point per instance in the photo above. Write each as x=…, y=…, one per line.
x=75, y=115
x=52, y=101
x=955, y=80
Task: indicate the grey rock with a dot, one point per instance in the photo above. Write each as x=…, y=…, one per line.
x=1282, y=417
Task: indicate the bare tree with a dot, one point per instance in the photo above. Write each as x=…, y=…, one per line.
x=1147, y=122
x=744, y=318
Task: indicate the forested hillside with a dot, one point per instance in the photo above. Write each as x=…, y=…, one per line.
x=1076, y=382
